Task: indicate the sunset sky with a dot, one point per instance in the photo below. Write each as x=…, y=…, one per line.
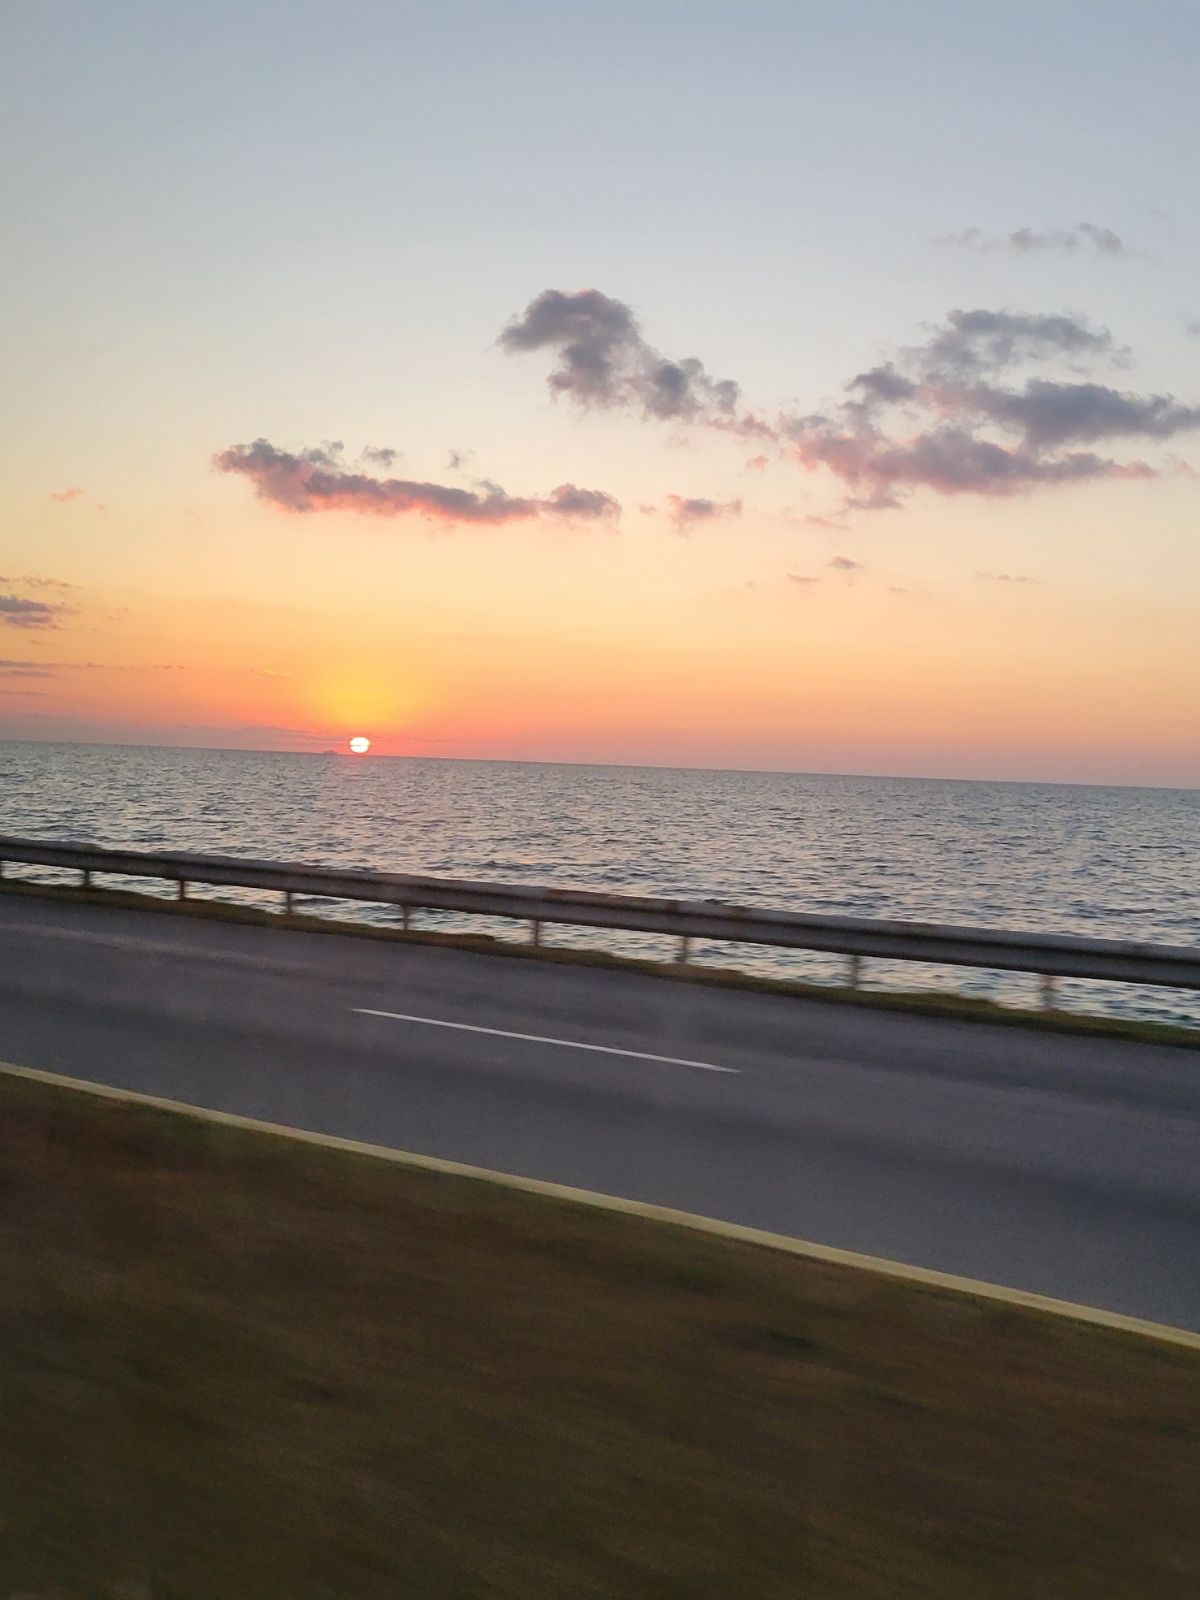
x=790, y=386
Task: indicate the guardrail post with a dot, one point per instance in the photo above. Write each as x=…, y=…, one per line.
x=287, y=902
x=855, y=971
x=85, y=878
x=1048, y=992
x=183, y=889
x=535, y=931
x=404, y=918
x=685, y=949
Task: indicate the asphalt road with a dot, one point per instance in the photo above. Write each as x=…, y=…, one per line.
x=1063, y=1165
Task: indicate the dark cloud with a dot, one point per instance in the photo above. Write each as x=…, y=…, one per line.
x=883, y=384
x=985, y=341
x=1050, y=414
x=953, y=415
x=950, y=460
x=25, y=669
x=1084, y=236
x=316, y=480
x=684, y=511
x=379, y=456
x=568, y=501
x=604, y=360
x=845, y=564
x=19, y=612
x=939, y=418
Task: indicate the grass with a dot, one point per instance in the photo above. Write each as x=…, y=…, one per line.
x=234, y=1366
x=961, y=1007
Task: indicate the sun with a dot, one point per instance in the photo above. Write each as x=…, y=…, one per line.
x=360, y=744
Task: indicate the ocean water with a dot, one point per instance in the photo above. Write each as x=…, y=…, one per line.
x=1108, y=862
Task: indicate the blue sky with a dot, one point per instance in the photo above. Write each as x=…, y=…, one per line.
x=766, y=179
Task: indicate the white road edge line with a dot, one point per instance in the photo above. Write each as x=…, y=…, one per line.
x=538, y=1038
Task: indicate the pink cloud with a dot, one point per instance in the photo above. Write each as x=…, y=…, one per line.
x=685, y=511
x=18, y=612
x=316, y=480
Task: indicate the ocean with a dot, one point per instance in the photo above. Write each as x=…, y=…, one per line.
x=1119, y=863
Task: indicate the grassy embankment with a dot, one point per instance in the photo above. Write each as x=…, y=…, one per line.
x=919, y=1002
x=236, y=1365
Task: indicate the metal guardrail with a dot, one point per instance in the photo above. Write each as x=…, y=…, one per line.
x=1048, y=955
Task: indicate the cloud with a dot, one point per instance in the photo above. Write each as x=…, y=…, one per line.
x=63, y=495
x=33, y=581
x=954, y=415
x=1192, y=327
x=17, y=612
x=590, y=504
x=379, y=456
x=685, y=512
x=802, y=579
x=745, y=426
x=49, y=669
x=604, y=361
x=315, y=480
x=845, y=564
x=1086, y=237
x=1104, y=241
x=1050, y=414
x=1005, y=577
x=950, y=460
x=982, y=340
x=941, y=417
x=812, y=520
x=25, y=669
x=758, y=463
x=882, y=385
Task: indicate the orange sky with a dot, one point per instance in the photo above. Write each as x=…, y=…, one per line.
x=622, y=644
x=932, y=377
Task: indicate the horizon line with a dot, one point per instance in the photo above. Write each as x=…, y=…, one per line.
x=632, y=766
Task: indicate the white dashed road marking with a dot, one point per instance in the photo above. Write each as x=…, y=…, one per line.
x=537, y=1038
